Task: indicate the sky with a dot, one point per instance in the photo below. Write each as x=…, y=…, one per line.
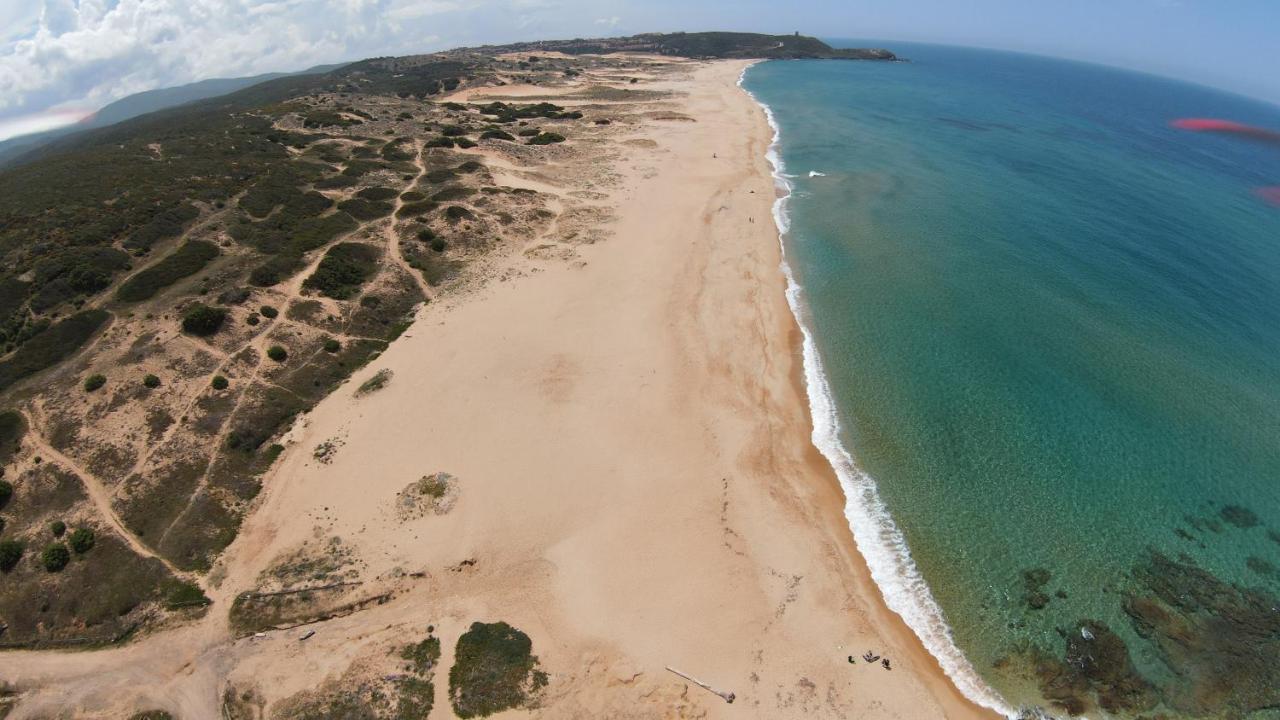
x=62, y=59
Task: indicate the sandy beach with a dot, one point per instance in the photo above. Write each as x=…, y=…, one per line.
x=635, y=485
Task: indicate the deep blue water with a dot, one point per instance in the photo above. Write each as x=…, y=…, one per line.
x=1050, y=323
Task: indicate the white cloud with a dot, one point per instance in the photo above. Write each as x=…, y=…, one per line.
x=39, y=122
x=609, y=22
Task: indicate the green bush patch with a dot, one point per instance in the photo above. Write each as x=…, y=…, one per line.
x=94, y=382
x=343, y=270
x=187, y=260
x=51, y=346
x=546, y=138
x=378, y=194
x=10, y=553
x=362, y=209
x=81, y=540
x=494, y=670
x=55, y=557
x=203, y=320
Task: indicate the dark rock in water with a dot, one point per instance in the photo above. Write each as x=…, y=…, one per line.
x=1275, y=536
x=1260, y=566
x=1036, y=578
x=1097, y=671
x=1102, y=658
x=1184, y=534
x=1241, y=517
x=1037, y=600
x=1221, y=641
x=1061, y=594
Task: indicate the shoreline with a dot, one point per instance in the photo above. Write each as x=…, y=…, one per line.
x=637, y=488
x=912, y=599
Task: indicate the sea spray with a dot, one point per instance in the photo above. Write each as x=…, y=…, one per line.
x=876, y=535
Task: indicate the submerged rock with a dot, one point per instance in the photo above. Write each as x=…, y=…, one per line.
x=1241, y=517
x=1221, y=640
x=1096, y=670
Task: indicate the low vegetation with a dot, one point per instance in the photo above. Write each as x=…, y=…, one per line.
x=343, y=270
x=203, y=320
x=494, y=670
x=187, y=260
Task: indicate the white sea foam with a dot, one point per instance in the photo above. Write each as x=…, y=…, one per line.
x=878, y=538
x=815, y=173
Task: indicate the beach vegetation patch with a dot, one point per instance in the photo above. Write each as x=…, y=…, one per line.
x=203, y=320
x=187, y=260
x=151, y=381
x=362, y=209
x=547, y=138
x=278, y=353
x=343, y=270
x=219, y=382
x=94, y=382
x=55, y=557
x=81, y=540
x=375, y=383
x=51, y=346
x=494, y=670
x=10, y=553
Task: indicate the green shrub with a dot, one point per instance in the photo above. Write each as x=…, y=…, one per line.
x=496, y=135
x=187, y=260
x=57, y=527
x=465, y=143
x=439, y=245
x=268, y=312
x=6, y=492
x=343, y=269
x=277, y=353
x=440, y=175
x=81, y=540
x=181, y=594
x=378, y=194
x=12, y=429
x=528, y=132
x=331, y=345
x=453, y=192
x=95, y=381
x=219, y=383
x=547, y=138
x=493, y=670
x=375, y=383
x=51, y=346
x=426, y=235
x=151, y=381
x=253, y=319
x=362, y=209
x=456, y=212
x=453, y=131
x=412, y=196
x=203, y=320
x=10, y=553
x=440, y=142
x=470, y=166
x=55, y=557
x=416, y=208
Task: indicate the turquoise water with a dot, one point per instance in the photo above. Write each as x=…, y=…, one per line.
x=1049, y=324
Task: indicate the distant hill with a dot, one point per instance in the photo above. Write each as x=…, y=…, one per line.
x=143, y=103
x=707, y=45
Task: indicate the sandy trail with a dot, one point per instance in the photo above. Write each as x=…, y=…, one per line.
x=637, y=484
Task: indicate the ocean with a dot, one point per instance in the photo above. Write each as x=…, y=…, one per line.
x=1043, y=353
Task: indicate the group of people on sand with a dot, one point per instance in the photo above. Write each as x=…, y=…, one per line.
x=870, y=658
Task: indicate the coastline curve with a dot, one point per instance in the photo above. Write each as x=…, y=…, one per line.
x=877, y=537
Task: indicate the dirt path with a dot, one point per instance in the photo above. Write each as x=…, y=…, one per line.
x=97, y=492
x=393, y=237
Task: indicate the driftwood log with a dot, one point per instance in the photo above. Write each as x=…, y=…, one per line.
x=726, y=696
